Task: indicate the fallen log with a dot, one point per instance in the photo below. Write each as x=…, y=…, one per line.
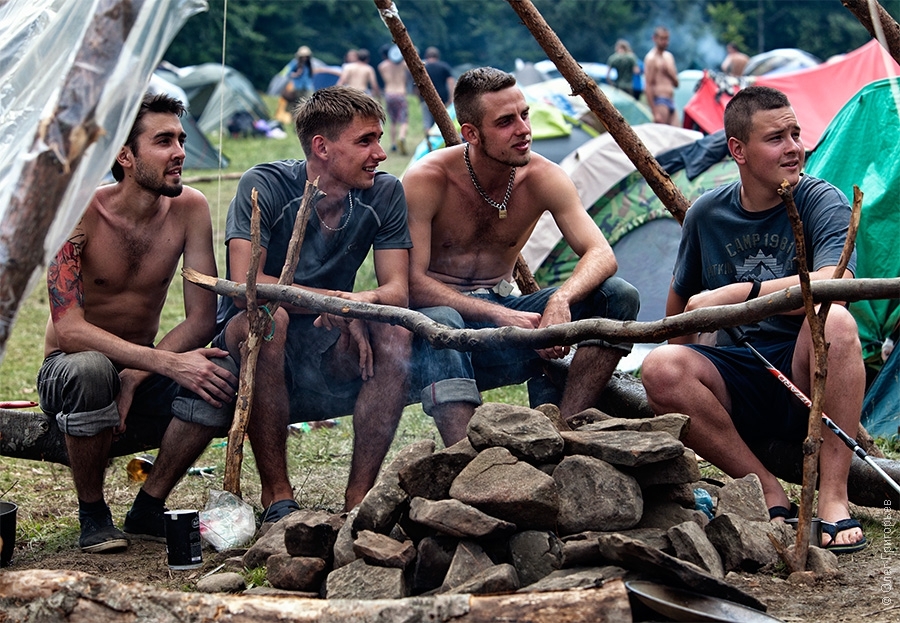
x=78, y=596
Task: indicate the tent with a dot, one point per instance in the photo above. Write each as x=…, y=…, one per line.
x=558, y=92
x=641, y=231
x=780, y=61
x=554, y=134
x=857, y=149
x=198, y=151
x=216, y=93
x=817, y=94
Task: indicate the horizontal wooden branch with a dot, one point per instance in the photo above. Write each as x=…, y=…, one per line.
x=78, y=596
x=439, y=336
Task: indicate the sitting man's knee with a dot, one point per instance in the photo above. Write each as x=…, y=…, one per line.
x=189, y=407
x=444, y=315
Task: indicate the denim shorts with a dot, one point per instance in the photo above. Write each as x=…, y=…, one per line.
x=761, y=406
x=447, y=375
x=80, y=390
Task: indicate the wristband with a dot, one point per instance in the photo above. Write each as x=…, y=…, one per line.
x=754, y=291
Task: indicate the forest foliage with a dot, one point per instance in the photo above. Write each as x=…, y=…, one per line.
x=262, y=35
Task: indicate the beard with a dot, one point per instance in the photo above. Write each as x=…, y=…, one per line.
x=509, y=158
x=149, y=180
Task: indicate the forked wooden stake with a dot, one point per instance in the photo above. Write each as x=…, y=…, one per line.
x=260, y=325
x=796, y=559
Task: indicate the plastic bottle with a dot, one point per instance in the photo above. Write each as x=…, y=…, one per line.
x=140, y=467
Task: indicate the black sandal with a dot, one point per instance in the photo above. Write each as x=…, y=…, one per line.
x=785, y=513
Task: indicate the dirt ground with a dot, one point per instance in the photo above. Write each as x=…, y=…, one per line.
x=863, y=591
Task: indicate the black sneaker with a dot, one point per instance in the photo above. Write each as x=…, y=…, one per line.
x=100, y=536
x=146, y=524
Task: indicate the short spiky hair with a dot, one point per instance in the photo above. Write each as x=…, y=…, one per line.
x=161, y=102
x=330, y=111
x=739, y=111
x=472, y=85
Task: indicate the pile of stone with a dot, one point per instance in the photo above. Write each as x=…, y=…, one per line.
x=526, y=503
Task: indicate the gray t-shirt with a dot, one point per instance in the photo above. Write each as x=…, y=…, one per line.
x=721, y=243
x=378, y=221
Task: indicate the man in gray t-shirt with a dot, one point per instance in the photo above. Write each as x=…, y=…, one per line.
x=315, y=366
x=737, y=244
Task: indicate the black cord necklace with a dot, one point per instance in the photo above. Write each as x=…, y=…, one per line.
x=501, y=207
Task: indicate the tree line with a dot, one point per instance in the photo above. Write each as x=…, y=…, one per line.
x=262, y=35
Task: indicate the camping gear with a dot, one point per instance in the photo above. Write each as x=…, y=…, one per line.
x=816, y=94
x=780, y=61
x=738, y=337
x=7, y=531
x=815, y=529
x=682, y=605
x=216, y=92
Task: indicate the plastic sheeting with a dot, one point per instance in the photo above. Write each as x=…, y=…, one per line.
x=39, y=43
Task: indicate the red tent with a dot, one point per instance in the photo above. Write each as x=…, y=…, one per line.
x=817, y=94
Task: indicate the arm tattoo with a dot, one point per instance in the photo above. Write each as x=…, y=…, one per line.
x=64, y=279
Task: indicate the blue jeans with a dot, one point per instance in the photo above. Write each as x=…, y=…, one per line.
x=447, y=375
x=80, y=390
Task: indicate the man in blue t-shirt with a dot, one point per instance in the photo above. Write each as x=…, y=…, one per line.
x=738, y=244
x=316, y=366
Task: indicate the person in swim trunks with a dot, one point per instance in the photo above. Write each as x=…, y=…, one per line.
x=661, y=78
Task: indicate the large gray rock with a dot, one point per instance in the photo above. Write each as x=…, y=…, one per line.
x=667, y=514
x=574, y=579
x=502, y=486
x=453, y=518
x=430, y=476
x=469, y=560
x=497, y=579
x=228, y=582
x=743, y=497
x=272, y=542
x=383, y=551
x=745, y=545
x=386, y=500
x=675, y=424
x=314, y=535
x=691, y=544
x=535, y=554
x=435, y=554
x=359, y=580
x=594, y=495
x=527, y=433
x=295, y=573
x=624, y=447
x=343, y=544
x=636, y=556
x=681, y=469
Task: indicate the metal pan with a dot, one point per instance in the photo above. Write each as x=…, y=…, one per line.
x=682, y=605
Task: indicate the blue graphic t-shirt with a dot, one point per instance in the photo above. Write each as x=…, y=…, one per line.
x=721, y=243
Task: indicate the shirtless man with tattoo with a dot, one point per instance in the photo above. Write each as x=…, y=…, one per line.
x=103, y=363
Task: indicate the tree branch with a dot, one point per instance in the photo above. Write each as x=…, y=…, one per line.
x=878, y=22
x=697, y=321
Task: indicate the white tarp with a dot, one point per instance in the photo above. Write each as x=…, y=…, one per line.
x=39, y=43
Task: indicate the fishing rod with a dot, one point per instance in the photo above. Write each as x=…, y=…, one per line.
x=740, y=338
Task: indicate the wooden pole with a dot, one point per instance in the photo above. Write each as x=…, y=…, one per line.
x=878, y=22
x=391, y=17
x=261, y=324
x=612, y=119
x=796, y=560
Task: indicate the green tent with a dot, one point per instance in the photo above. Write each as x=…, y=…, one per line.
x=858, y=148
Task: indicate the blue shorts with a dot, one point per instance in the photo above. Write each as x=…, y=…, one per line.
x=446, y=375
x=762, y=408
x=80, y=390
x=313, y=394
